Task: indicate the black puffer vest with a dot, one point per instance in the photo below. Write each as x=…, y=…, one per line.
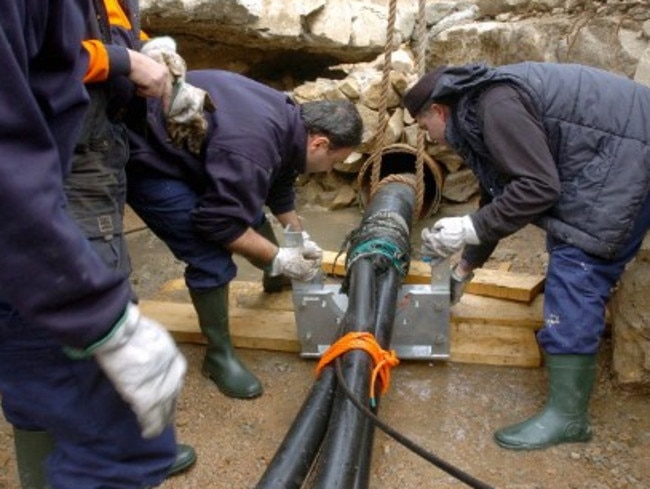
x=598, y=129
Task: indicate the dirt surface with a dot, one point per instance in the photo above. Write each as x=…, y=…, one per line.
x=451, y=409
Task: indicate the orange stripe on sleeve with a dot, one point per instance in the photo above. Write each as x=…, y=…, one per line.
x=98, y=63
x=116, y=16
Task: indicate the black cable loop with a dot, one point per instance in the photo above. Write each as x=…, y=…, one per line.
x=406, y=442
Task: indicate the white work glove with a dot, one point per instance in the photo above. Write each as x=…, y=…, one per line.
x=295, y=264
x=310, y=248
x=142, y=361
x=186, y=121
x=447, y=236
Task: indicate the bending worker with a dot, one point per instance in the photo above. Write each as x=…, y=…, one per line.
x=78, y=361
x=207, y=203
x=566, y=147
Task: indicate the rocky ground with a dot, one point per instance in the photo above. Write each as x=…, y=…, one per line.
x=451, y=409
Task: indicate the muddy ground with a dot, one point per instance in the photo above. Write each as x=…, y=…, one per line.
x=451, y=409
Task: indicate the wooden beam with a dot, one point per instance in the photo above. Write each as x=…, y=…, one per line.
x=471, y=308
x=258, y=327
x=487, y=310
x=493, y=344
x=273, y=330
x=502, y=284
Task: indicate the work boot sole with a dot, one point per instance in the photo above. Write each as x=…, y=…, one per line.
x=540, y=446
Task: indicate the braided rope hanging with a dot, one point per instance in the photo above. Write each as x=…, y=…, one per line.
x=374, y=160
x=420, y=62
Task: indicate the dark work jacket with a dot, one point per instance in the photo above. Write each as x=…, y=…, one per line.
x=255, y=147
x=564, y=146
x=48, y=273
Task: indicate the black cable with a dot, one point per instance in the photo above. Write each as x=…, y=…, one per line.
x=411, y=445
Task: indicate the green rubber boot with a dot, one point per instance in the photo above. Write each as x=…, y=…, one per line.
x=564, y=418
x=221, y=363
x=185, y=458
x=32, y=448
x=277, y=283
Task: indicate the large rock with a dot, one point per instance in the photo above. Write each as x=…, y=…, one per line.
x=630, y=315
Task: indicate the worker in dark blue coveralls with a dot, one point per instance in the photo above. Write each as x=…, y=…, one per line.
x=566, y=147
x=210, y=204
x=77, y=359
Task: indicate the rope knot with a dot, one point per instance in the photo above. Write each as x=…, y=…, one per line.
x=383, y=360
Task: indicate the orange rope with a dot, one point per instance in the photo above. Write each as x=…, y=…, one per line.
x=383, y=360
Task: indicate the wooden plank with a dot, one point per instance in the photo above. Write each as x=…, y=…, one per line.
x=505, y=285
x=419, y=272
x=273, y=330
x=493, y=344
x=501, y=284
x=251, y=295
x=487, y=310
x=471, y=308
x=267, y=329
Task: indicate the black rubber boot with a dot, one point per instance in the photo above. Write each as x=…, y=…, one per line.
x=185, y=458
x=221, y=363
x=32, y=448
x=564, y=418
x=277, y=283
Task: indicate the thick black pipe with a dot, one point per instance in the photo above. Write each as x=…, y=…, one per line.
x=293, y=460
x=295, y=456
x=343, y=462
x=336, y=465
x=386, y=298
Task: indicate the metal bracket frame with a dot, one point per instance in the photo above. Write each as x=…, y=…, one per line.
x=420, y=328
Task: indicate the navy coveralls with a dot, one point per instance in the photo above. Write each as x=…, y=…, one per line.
x=55, y=286
x=255, y=147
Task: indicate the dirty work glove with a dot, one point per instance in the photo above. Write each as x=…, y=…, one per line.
x=310, y=248
x=141, y=360
x=448, y=235
x=186, y=122
x=293, y=263
x=163, y=50
x=457, y=285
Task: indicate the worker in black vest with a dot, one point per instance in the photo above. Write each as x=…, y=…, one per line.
x=566, y=147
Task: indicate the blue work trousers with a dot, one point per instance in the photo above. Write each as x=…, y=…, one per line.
x=96, y=434
x=578, y=288
x=165, y=204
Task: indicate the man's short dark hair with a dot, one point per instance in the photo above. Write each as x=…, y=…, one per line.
x=338, y=120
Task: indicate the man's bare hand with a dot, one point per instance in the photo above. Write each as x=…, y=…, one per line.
x=151, y=78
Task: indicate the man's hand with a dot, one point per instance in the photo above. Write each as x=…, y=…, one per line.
x=140, y=358
x=295, y=264
x=448, y=235
x=151, y=78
